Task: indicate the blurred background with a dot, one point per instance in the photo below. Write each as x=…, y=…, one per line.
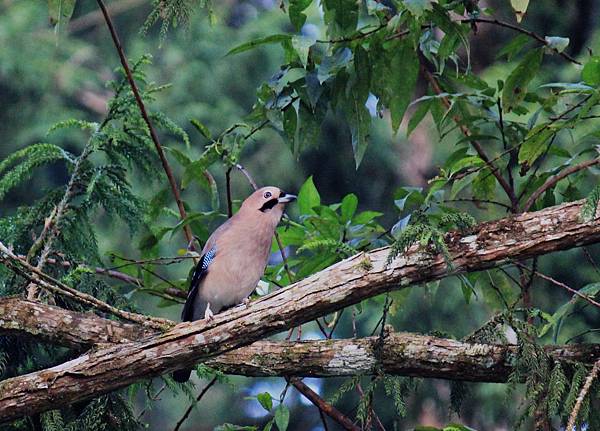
x=45, y=79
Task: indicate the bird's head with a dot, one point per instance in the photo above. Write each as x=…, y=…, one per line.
x=268, y=201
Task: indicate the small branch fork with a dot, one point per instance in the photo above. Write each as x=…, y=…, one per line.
x=435, y=86
x=552, y=181
x=33, y=275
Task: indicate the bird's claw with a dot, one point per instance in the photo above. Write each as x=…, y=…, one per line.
x=208, y=314
x=246, y=301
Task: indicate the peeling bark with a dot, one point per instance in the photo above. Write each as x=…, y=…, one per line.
x=345, y=283
x=64, y=327
x=402, y=353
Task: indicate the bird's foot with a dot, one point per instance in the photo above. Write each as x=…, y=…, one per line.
x=208, y=314
x=246, y=301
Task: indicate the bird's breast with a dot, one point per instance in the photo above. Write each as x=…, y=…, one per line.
x=235, y=271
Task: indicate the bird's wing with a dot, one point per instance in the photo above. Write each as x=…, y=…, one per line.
x=201, y=268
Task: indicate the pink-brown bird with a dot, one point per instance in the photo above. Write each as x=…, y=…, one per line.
x=234, y=258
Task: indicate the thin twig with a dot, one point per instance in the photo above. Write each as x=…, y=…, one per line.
x=152, y=398
x=323, y=420
x=228, y=187
x=55, y=219
x=551, y=182
x=161, y=154
x=591, y=259
x=45, y=281
x=247, y=175
x=323, y=405
x=584, y=390
x=478, y=201
x=435, y=86
x=529, y=33
x=559, y=284
x=94, y=18
x=198, y=398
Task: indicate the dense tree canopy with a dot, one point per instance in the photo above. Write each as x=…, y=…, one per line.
x=438, y=271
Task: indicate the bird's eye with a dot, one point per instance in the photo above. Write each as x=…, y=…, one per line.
x=267, y=195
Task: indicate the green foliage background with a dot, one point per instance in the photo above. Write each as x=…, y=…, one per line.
x=362, y=181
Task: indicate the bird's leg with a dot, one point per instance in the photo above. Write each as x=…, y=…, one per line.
x=246, y=301
x=208, y=314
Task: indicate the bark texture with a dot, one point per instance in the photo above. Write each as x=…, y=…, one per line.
x=402, y=353
x=64, y=327
x=345, y=283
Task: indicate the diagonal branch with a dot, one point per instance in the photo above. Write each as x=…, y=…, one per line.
x=35, y=276
x=551, y=182
x=348, y=282
x=323, y=405
x=435, y=86
x=138, y=98
x=401, y=354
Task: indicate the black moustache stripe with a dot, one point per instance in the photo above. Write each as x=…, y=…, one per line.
x=269, y=204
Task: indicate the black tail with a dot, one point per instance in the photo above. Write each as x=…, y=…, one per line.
x=182, y=376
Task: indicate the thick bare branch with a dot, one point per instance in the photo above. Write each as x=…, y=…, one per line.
x=64, y=327
x=34, y=275
x=345, y=283
x=401, y=354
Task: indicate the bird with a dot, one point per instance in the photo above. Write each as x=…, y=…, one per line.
x=234, y=259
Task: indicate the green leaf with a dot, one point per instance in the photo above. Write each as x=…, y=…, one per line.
x=484, y=185
x=513, y=47
x=265, y=400
x=247, y=46
x=268, y=426
x=360, y=124
x=290, y=124
x=366, y=216
x=404, y=70
x=308, y=197
x=349, y=205
x=515, y=87
x=201, y=128
x=309, y=128
x=297, y=18
x=301, y=45
x=417, y=7
x=534, y=144
x=418, y=116
x=331, y=65
x=591, y=71
x=179, y=155
x=60, y=12
x=282, y=417
x=341, y=16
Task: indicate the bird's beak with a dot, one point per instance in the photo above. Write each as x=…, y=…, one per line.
x=286, y=197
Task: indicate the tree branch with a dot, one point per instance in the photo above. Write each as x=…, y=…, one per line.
x=34, y=275
x=551, y=182
x=138, y=98
x=348, y=282
x=514, y=27
x=402, y=353
x=435, y=86
x=64, y=327
x=324, y=406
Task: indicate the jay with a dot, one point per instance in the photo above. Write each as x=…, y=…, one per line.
x=234, y=259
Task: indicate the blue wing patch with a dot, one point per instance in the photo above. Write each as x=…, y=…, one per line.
x=188, y=309
x=208, y=258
